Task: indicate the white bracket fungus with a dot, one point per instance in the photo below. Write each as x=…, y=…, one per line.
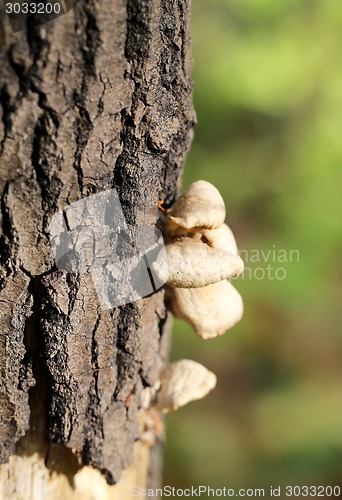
x=192, y=264
x=201, y=254
x=201, y=205
x=181, y=382
x=210, y=310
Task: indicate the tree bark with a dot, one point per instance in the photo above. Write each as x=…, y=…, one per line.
x=99, y=98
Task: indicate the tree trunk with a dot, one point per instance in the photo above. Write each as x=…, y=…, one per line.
x=99, y=98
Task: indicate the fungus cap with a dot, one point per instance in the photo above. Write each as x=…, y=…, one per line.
x=221, y=238
x=210, y=310
x=183, y=381
x=191, y=264
x=201, y=205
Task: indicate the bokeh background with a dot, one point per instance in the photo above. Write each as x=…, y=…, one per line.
x=268, y=96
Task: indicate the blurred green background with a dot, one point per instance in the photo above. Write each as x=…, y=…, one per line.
x=268, y=96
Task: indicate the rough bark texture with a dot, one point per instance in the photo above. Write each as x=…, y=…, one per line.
x=96, y=99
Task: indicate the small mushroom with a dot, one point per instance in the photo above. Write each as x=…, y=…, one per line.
x=191, y=264
x=181, y=382
x=210, y=310
x=201, y=205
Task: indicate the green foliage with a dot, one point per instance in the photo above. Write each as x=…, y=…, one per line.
x=268, y=96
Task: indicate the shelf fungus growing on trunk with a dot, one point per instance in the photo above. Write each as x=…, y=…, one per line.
x=181, y=382
x=209, y=310
x=201, y=255
x=201, y=205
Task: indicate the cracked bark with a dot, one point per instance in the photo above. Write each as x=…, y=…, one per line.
x=96, y=99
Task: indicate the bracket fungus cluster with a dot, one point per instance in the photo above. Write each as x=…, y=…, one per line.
x=201, y=255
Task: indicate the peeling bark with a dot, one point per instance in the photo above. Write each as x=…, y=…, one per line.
x=99, y=98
